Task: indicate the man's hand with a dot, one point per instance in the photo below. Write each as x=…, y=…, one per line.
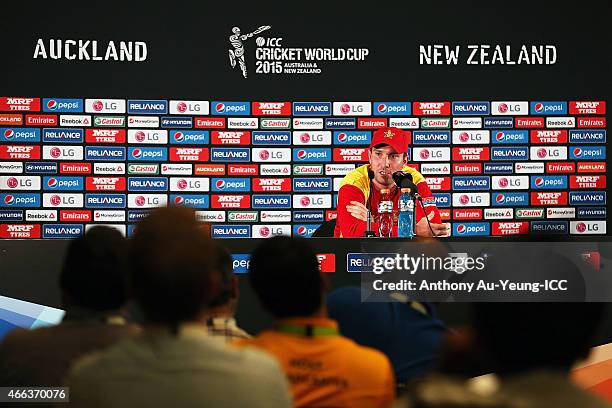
x=440, y=230
x=358, y=210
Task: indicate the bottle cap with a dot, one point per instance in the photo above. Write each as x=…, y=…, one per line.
x=384, y=190
x=405, y=190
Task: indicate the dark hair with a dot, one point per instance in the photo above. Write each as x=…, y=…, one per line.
x=223, y=266
x=284, y=272
x=172, y=260
x=95, y=270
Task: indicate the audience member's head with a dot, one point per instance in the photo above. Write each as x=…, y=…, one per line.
x=227, y=297
x=172, y=264
x=526, y=336
x=94, y=273
x=284, y=272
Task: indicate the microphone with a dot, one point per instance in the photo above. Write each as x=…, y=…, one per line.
x=404, y=180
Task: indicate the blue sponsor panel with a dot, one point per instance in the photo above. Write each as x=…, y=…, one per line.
x=176, y=122
x=240, y=263
x=62, y=105
x=146, y=107
x=314, y=184
x=304, y=230
x=549, y=227
x=443, y=200
x=260, y=137
x=137, y=215
x=270, y=201
x=340, y=123
x=471, y=108
x=130, y=229
x=63, y=183
x=587, y=136
x=63, y=135
x=106, y=153
x=594, y=212
x=230, y=108
x=230, y=185
x=41, y=167
x=148, y=153
x=11, y=215
x=105, y=200
x=547, y=108
x=587, y=198
x=20, y=200
x=510, y=136
x=497, y=122
x=510, y=153
x=19, y=135
x=312, y=155
x=587, y=153
x=548, y=182
x=311, y=108
x=364, y=262
x=392, y=109
x=64, y=231
x=353, y=137
x=498, y=168
x=190, y=200
x=467, y=229
x=472, y=183
x=308, y=216
x=513, y=199
x=226, y=154
x=431, y=137
x=189, y=137
x=147, y=183
x=230, y=231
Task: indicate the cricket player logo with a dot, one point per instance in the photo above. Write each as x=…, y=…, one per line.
x=237, y=54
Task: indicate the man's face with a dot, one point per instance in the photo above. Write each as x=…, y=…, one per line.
x=384, y=161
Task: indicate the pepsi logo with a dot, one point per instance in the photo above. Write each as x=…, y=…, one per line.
x=56, y=152
x=12, y=182
x=98, y=105
x=539, y=107
x=9, y=199
x=52, y=104
x=220, y=184
x=179, y=200
x=342, y=137
x=461, y=228
x=499, y=136
x=220, y=107
x=301, y=154
x=140, y=136
x=305, y=138
x=56, y=200
x=9, y=133
x=500, y=198
x=503, y=182
x=577, y=152
x=140, y=201
x=503, y=108
x=464, y=199
x=464, y=137
x=182, y=184
x=264, y=231
x=301, y=230
x=179, y=136
x=424, y=154
x=181, y=107
x=345, y=108
x=382, y=108
x=136, y=153
x=305, y=201
x=541, y=153
x=539, y=182
x=264, y=155
x=52, y=182
x=581, y=227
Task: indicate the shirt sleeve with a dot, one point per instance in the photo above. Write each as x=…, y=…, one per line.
x=429, y=204
x=346, y=224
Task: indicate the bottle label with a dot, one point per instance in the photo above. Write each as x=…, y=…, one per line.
x=385, y=207
x=406, y=205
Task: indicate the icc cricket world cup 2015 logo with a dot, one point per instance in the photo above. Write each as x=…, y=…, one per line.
x=237, y=54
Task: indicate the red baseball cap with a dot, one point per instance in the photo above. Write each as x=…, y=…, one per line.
x=391, y=136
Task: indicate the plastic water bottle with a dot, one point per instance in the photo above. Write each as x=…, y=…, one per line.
x=385, y=214
x=405, y=222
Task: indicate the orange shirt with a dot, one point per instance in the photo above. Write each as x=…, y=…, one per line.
x=327, y=369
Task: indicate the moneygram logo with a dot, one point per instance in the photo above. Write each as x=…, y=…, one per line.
x=236, y=53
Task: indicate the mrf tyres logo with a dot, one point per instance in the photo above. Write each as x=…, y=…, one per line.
x=273, y=56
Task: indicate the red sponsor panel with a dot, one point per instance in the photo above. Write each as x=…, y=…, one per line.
x=19, y=231
x=510, y=227
x=590, y=181
x=189, y=154
x=438, y=183
x=467, y=214
x=589, y=122
x=587, y=107
x=242, y=169
x=371, y=123
x=271, y=108
x=105, y=183
x=331, y=215
x=19, y=152
x=11, y=104
x=467, y=168
x=231, y=137
x=11, y=119
x=545, y=198
x=327, y=262
x=230, y=201
x=416, y=166
x=209, y=169
x=105, y=135
x=75, y=168
x=529, y=122
x=271, y=184
x=209, y=123
x=431, y=108
x=75, y=215
x=548, y=136
x=351, y=154
x=591, y=167
x=560, y=167
x=41, y=120
x=445, y=214
x=470, y=153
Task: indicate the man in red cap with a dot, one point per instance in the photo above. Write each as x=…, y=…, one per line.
x=360, y=189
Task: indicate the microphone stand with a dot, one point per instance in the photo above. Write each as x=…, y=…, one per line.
x=368, y=232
